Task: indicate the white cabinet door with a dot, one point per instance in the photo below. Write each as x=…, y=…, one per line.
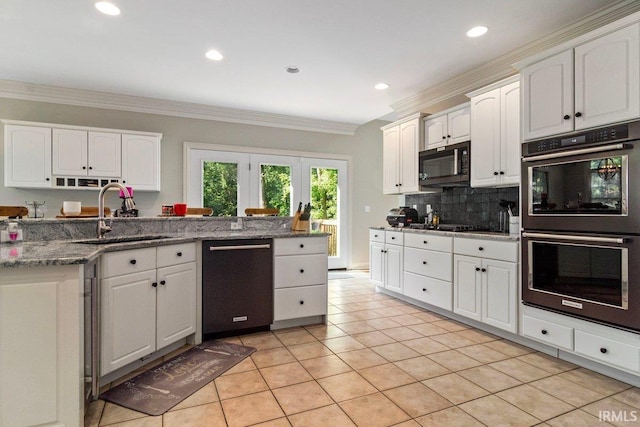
x=500, y=294
x=607, y=79
x=104, y=151
x=393, y=268
x=391, y=160
x=69, y=152
x=435, y=132
x=176, y=302
x=27, y=156
x=141, y=162
x=127, y=301
x=409, y=147
x=467, y=286
x=547, y=94
x=485, y=145
x=40, y=347
x=376, y=262
x=459, y=126
x=510, y=144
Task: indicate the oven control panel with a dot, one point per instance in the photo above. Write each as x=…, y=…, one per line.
x=596, y=136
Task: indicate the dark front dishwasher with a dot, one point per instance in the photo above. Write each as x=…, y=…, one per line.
x=237, y=286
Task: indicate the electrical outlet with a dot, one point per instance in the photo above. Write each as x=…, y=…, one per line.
x=235, y=226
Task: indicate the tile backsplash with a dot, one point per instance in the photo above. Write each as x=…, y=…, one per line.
x=478, y=207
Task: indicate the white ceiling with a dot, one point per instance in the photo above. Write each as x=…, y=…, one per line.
x=155, y=48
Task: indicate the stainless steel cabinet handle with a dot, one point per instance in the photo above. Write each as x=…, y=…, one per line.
x=238, y=247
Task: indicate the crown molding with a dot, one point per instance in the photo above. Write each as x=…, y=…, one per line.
x=111, y=101
x=502, y=67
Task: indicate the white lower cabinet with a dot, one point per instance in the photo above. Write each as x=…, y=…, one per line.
x=548, y=332
x=607, y=350
x=486, y=289
x=300, y=277
x=40, y=346
x=386, y=254
x=151, y=288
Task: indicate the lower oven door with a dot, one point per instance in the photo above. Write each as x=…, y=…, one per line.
x=584, y=275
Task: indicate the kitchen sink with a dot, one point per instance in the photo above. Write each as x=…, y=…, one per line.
x=121, y=239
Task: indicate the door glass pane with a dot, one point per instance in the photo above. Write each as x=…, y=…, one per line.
x=220, y=187
x=275, y=188
x=324, y=199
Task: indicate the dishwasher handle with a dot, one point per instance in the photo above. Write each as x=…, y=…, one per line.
x=239, y=247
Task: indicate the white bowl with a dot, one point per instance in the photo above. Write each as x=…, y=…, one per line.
x=71, y=208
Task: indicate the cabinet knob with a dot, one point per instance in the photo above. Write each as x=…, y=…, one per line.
x=179, y=254
x=444, y=137
x=544, y=332
x=302, y=270
x=566, y=117
x=124, y=182
x=477, y=268
x=495, y=173
x=301, y=245
x=133, y=262
x=397, y=185
x=154, y=284
x=90, y=167
x=375, y=235
x=424, y=241
x=603, y=350
x=448, y=136
x=424, y=289
x=84, y=167
x=501, y=172
x=163, y=282
x=424, y=262
x=393, y=238
x=484, y=270
x=480, y=248
x=301, y=302
x=47, y=179
x=578, y=114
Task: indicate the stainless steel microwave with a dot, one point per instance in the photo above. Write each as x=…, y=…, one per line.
x=447, y=166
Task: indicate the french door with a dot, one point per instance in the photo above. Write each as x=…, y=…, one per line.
x=230, y=182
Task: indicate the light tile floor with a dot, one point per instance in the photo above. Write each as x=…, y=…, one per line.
x=383, y=362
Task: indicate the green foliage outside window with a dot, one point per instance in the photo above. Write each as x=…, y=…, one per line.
x=324, y=193
x=220, y=188
x=276, y=188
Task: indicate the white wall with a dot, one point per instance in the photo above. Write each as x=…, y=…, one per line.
x=365, y=147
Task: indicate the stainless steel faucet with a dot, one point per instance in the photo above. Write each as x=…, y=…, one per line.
x=129, y=204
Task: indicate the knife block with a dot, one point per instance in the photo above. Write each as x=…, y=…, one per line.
x=299, y=224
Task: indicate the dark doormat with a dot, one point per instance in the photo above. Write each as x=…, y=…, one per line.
x=162, y=387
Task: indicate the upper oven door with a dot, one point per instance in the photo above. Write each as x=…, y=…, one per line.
x=583, y=190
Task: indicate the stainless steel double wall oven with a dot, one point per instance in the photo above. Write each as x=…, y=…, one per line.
x=581, y=220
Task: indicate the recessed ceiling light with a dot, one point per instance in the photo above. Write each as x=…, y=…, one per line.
x=477, y=31
x=293, y=69
x=214, y=55
x=108, y=8
x=381, y=86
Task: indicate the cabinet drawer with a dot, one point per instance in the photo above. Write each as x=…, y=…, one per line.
x=176, y=254
x=505, y=251
x=300, y=246
x=293, y=303
x=429, y=263
x=301, y=270
x=394, y=237
x=429, y=241
x=608, y=351
x=426, y=289
x=376, y=236
x=126, y=262
x=548, y=332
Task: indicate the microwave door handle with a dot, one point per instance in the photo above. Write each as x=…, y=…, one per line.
x=578, y=152
x=455, y=161
x=573, y=238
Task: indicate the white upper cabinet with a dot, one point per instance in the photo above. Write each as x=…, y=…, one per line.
x=27, y=156
x=82, y=153
x=400, y=144
x=141, y=162
x=448, y=127
x=595, y=83
x=495, y=135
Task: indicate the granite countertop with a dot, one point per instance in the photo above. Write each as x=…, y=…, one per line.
x=488, y=235
x=65, y=252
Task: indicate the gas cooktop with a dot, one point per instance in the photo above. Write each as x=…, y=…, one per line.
x=447, y=227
